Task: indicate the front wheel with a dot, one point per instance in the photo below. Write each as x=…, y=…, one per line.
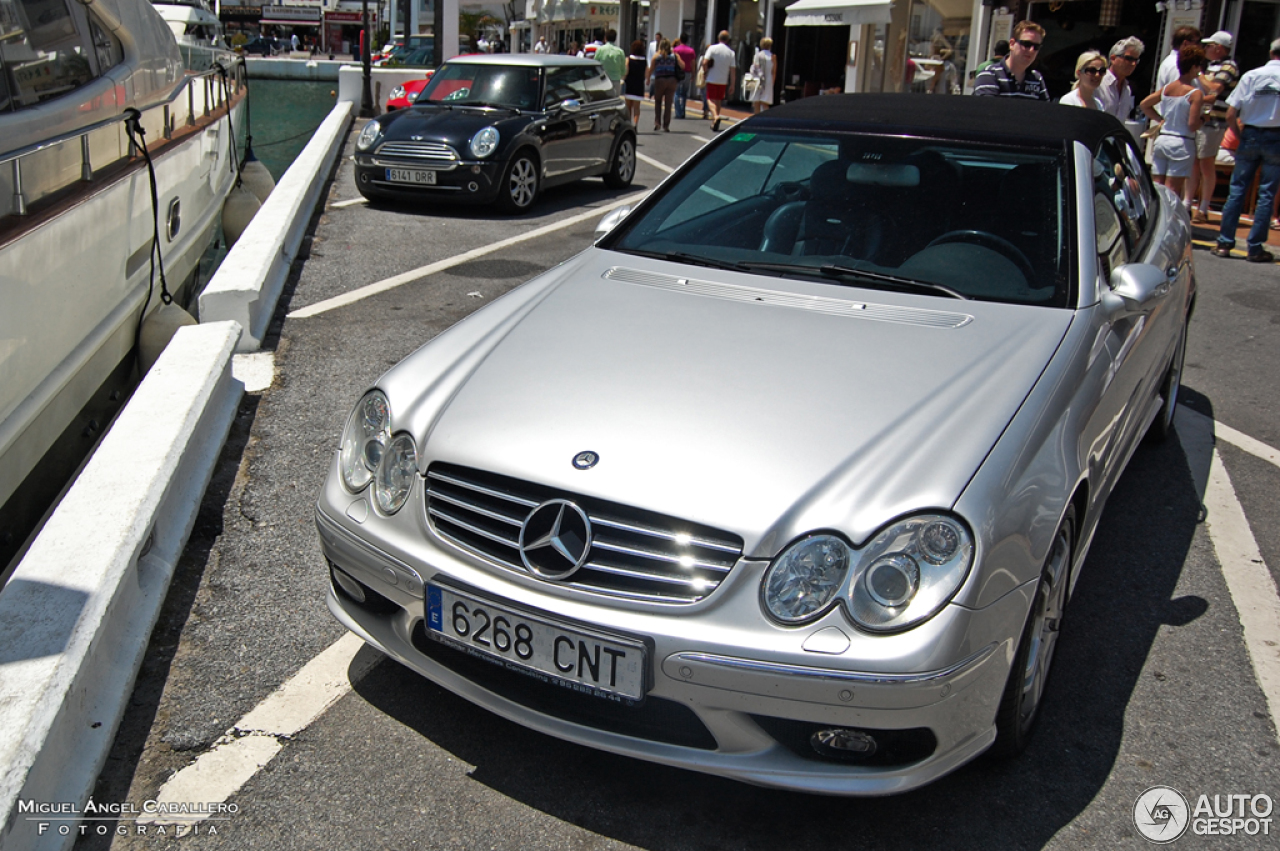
x=519, y=184
x=1024, y=690
x=623, y=168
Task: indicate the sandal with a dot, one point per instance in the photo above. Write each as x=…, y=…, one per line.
x=1199, y=217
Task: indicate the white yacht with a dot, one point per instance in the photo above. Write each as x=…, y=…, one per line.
x=93, y=232
x=196, y=29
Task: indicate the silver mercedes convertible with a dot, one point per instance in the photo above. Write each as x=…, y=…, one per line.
x=789, y=477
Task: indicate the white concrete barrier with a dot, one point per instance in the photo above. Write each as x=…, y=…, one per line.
x=76, y=615
x=248, y=283
x=381, y=82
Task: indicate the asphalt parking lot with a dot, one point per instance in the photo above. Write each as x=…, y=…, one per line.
x=1154, y=683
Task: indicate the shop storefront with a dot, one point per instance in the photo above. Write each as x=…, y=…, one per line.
x=342, y=30
x=284, y=21
x=246, y=20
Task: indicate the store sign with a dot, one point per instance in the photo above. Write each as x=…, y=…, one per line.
x=241, y=11
x=347, y=17
x=291, y=14
x=602, y=11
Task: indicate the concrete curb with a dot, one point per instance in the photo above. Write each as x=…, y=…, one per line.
x=248, y=283
x=76, y=615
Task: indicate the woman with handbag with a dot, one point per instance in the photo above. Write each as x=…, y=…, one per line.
x=762, y=69
x=663, y=73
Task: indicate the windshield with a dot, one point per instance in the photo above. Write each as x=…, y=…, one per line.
x=950, y=219
x=516, y=87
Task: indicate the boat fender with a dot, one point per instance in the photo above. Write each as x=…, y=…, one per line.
x=237, y=211
x=255, y=177
x=158, y=329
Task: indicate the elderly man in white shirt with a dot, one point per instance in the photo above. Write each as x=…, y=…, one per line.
x=1115, y=94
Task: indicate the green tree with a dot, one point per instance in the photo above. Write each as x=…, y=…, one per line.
x=472, y=24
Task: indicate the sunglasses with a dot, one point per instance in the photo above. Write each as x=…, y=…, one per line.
x=1096, y=72
x=1028, y=43
x=1126, y=58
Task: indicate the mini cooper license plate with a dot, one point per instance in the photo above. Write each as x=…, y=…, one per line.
x=411, y=175
x=569, y=655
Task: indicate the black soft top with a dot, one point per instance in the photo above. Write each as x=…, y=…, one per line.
x=1005, y=121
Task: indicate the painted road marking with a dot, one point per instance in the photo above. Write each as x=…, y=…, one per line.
x=1237, y=439
x=412, y=275
x=1253, y=591
x=338, y=205
x=651, y=161
x=218, y=773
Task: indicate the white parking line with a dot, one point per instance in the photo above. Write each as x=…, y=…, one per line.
x=458, y=259
x=218, y=773
x=651, y=161
x=1227, y=434
x=1253, y=591
x=350, y=202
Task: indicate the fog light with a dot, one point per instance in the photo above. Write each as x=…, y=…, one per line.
x=475, y=169
x=349, y=586
x=841, y=743
x=364, y=178
x=473, y=186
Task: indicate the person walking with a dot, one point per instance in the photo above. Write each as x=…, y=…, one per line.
x=1089, y=70
x=719, y=66
x=763, y=69
x=1115, y=94
x=1253, y=111
x=1173, y=155
x=1013, y=76
x=690, y=59
x=633, y=84
x=662, y=74
x=1219, y=80
x=541, y=46
x=613, y=59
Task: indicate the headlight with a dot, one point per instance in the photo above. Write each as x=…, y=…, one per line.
x=806, y=578
x=485, y=142
x=368, y=136
x=397, y=92
x=909, y=571
x=394, y=476
x=903, y=576
x=365, y=440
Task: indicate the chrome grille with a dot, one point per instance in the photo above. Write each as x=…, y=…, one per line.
x=640, y=555
x=420, y=152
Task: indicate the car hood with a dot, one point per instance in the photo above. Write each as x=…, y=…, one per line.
x=441, y=124
x=761, y=406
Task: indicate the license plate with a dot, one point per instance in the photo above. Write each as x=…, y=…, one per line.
x=566, y=654
x=411, y=175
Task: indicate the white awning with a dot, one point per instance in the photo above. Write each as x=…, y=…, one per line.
x=837, y=13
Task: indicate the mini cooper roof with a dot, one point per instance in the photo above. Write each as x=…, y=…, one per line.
x=1000, y=121
x=523, y=60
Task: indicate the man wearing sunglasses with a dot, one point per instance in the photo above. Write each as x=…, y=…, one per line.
x=1012, y=76
x=1116, y=92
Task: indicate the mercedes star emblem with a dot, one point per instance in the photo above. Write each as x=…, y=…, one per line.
x=555, y=539
x=585, y=460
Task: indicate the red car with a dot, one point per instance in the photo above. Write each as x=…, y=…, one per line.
x=403, y=94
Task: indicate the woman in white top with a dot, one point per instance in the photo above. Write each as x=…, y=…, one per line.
x=1182, y=106
x=1089, y=70
x=763, y=68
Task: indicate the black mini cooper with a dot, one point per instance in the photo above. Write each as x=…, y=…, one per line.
x=499, y=128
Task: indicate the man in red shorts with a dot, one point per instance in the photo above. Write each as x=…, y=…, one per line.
x=719, y=65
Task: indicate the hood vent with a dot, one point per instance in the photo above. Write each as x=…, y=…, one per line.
x=634, y=554
x=776, y=298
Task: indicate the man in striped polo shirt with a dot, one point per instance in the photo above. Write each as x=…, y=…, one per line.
x=1012, y=76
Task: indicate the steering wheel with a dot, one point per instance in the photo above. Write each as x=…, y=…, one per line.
x=789, y=190
x=458, y=94
x=995, y=243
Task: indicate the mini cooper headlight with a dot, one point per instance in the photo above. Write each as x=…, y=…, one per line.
x=485, y=142
x=396, y=93
x=365, y=440
x=908, y=572
x=805, y=580
x=369, y=136
x=903, y=576
x=394, y=477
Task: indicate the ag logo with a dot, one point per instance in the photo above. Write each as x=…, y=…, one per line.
x=1161, y=814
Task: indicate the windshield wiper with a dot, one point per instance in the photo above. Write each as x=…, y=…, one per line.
x=832, y=270
x=691, y=259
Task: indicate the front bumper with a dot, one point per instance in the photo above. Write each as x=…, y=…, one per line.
x=712, y=707
x=474, y=181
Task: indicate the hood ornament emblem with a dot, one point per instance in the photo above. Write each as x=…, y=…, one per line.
x=585, y=460
x=555, y=539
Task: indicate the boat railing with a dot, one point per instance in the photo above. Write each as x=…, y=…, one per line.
x=43, y=168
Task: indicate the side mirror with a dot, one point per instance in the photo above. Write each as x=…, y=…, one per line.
x=1134, y=286
x=571, y=105
x=610, y=221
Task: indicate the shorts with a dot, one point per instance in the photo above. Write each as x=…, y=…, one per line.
x=1208, y=140
x=716, y=91
x=1173, y=156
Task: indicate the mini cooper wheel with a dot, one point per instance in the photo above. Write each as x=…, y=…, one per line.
x=624, y=165
x=1024, y=690
x=519, y=184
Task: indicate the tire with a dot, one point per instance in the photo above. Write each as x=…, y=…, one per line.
x=623, y=168
x=1024, y=690
x=520, y=183
x=1162, y=425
